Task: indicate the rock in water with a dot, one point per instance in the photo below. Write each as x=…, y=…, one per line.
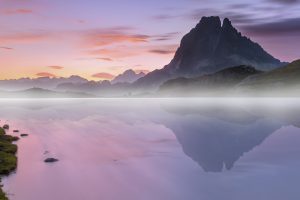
x=6, y=126
x=24, y=135
x=50, y=160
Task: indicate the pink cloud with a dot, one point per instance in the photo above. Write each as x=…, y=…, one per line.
x=103, y=75
x=164, y=49
x=56, y=67
x=46, y=74
x=118, y=52
x=105, y=59
x=19, y=11
x=24, y=38
x=99, y=38
x=6, y=48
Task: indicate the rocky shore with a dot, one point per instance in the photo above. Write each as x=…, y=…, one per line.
x=8, y=159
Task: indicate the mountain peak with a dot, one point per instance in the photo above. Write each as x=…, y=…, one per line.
x=210, y=47
x=212, y=21
x=128, y=76
x=227, y=23
x=208, y=25
x=129, y=72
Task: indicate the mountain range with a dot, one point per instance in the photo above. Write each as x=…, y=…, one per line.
x=213, y=59
x=219, y=83
x=238, y=81
x=43, y=93
x=42, y=82
x=283, y=81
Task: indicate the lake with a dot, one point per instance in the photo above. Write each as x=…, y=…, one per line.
x=155, y=149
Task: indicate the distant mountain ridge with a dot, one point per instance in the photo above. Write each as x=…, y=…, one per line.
x=129, y=76
x=42, y=82
x=222, y=82
x=239, y=81
x=43, y=93
x=284, y=81
x=209, y=47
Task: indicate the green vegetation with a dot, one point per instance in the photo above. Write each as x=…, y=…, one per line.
x=8, y=160
x=2, y=195
x=285, y=76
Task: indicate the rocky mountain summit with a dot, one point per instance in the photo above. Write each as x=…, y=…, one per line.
x=210, y=47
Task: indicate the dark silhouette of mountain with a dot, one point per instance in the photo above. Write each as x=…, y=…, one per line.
x=218, y=83
x=281, y=81
x=42, y=82
x=129, y=76
x=208, y=48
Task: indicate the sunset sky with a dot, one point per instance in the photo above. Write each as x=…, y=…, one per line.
x=99, y=39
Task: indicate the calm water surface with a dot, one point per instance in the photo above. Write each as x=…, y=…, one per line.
x=145, y=149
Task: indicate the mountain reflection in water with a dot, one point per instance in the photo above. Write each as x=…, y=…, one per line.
x=163, y=147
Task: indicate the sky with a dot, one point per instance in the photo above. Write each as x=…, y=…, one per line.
x=99, y=39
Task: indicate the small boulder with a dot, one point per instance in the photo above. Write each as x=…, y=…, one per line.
x=24, y=135
x=50, y=160
x=16, y=131
x=6, y=126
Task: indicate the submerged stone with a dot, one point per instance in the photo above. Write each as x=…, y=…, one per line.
x=51, y=160
x=5, y=126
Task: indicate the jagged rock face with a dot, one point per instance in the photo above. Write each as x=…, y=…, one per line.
x=212, y=46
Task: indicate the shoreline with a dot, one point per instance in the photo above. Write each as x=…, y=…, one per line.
x=8, y=158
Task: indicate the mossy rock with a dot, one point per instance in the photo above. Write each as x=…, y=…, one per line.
x=7, y=147
x=2, y=131
x=8, y=163
x=8, y=160
x=8, y=138
x=2, y=195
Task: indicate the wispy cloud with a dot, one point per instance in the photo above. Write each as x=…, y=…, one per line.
x=158, y=51
x=46, y=74
x=115, y=52
x=288, y=2
x=105, y=59
x=56, y=67
x=164, y=50
x=24, y=37
x=288, y=27
x=104, y=37
x=164, y=17
x=165, y=36
x=103, y=75
x=6, y=48
x=19, y=11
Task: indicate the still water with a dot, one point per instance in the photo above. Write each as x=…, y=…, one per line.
x=155, y=149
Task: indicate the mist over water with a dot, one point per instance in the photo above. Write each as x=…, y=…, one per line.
x=208, y=149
